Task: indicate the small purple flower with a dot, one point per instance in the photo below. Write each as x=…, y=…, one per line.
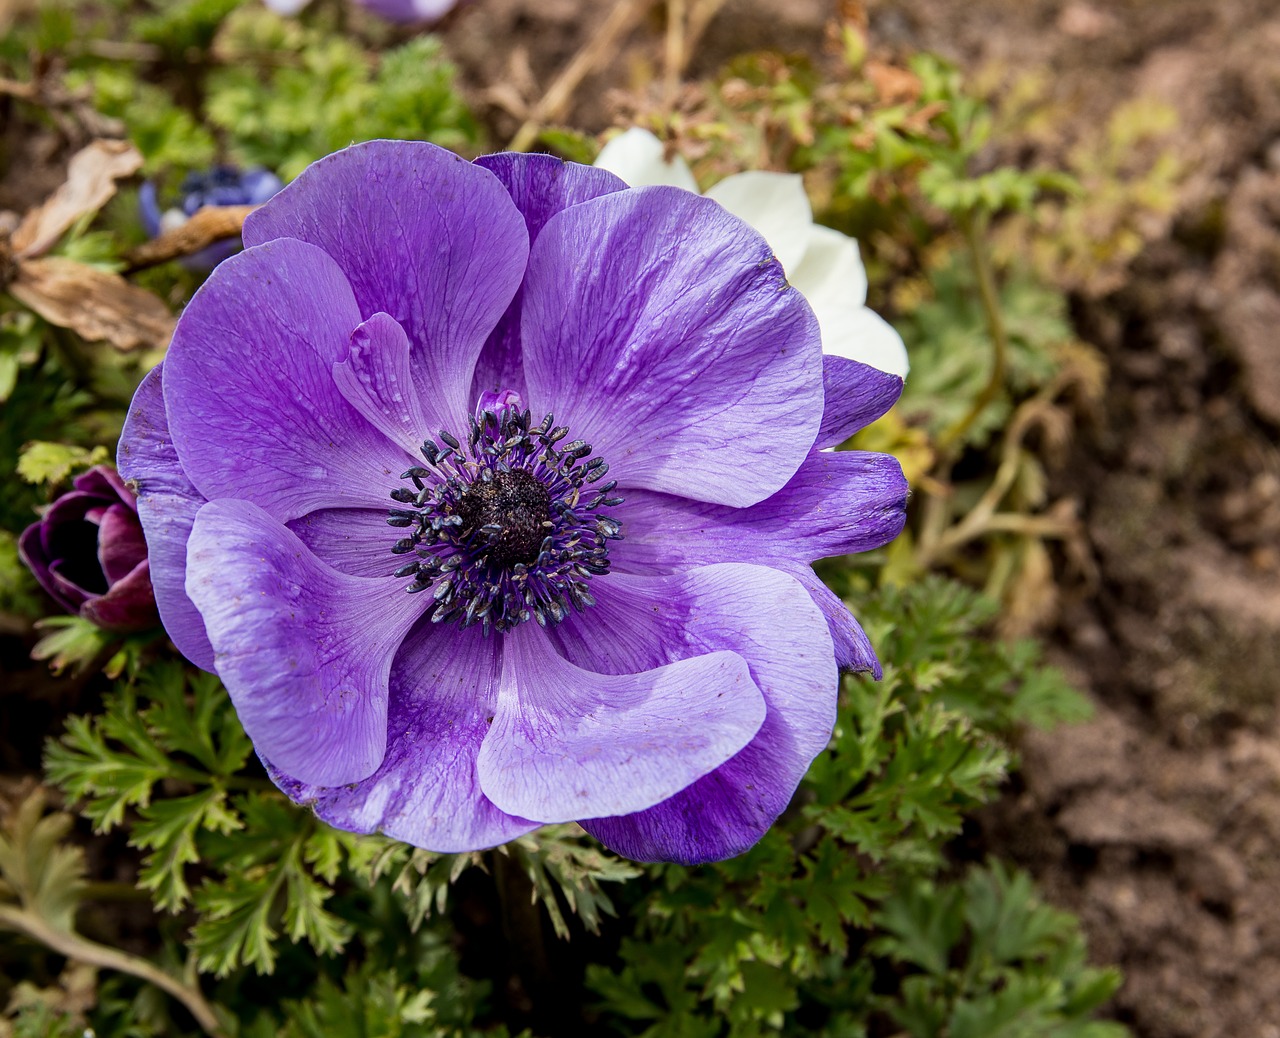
x=221, y=185
x=393, y=10
x=89, y=553
x=595, y=599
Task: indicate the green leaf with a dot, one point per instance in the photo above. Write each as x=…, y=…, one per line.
x=44, y=462
x=39, y=868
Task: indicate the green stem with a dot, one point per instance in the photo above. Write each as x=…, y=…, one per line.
x=974, y=229
x=73, y=946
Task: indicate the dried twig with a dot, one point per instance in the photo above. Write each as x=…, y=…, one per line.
x=213, y=223
x=623, y=16
x=73, y=946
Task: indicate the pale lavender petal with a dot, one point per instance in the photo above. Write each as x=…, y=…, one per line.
x=856, y=394
x=663, y=329
x=249, y=391
x=838, y=503
x=768, y=619
x=376, y=378
x=305, y=651
x=444, y=686
x=540, y=186
x=567, y=743
x=852, y=646
x=356, y=541
x=167, y=506
x=421, y=234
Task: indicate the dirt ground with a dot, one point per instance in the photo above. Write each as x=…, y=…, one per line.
x=1159, y=821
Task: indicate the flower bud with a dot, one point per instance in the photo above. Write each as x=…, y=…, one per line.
x=89, y=553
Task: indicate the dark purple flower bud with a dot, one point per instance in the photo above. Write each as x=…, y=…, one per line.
x=221, y=185
x=89, y=553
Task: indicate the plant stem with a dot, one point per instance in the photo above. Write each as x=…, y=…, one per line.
x=73, y=946
x=974, y=229
x=624, y=14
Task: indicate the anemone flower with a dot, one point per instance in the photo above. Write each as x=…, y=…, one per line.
x=89, y=553
x=221, y=185
x=392, y=10
x=593, y=420
x=821, y=262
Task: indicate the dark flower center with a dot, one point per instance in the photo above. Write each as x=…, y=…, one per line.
x=508, y=528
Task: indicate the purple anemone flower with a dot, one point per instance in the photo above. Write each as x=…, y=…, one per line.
x=89, y=553
x=221, y=185
x=393, y=10
x=490, y=490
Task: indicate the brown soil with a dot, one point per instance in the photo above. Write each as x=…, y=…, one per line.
x=1159, y=821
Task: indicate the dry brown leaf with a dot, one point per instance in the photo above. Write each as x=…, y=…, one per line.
x=91, y=181
x=894, y=85
x=92, y=303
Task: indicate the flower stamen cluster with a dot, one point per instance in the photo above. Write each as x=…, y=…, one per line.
x=506, y=529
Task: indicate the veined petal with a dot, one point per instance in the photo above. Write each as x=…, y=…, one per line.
x=663, y=328
x=444, y=687
x=249, y=391
x=567, y=743
x=838, y=503
x=540, y=186
x=854, y=395
x=376, y=378
x=305, y=651
x=852, y=646
x=638, y=157
x=167, y=507
x=768, y=619
x=421, y=234
x=355, y=541
x=776, y=205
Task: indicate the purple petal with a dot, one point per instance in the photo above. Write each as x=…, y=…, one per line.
x=121, y=544
x=694, y=368
x=838, y=503
x=31, y=550
x=410, y=10
x=305, y=651
x=856, y=394
x=567, y=743
x=129, y=605
x=249, y=390
x=422, y=235
x=104, y=482
x=444, y=686
x=852, y=646
x=376, y=377
x=540, y=186
x=167, y=506
x=355, y=541
x=767, y=618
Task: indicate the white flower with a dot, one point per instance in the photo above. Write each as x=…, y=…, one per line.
x=822, y=263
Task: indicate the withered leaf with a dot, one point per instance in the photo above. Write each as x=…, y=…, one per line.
x=91, y=181
x=93, y=303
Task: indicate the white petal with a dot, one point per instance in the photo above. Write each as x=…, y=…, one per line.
x=776, y=205
x=287, y=6
x=637, y=157
x=861, y=334
x=831, y=268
